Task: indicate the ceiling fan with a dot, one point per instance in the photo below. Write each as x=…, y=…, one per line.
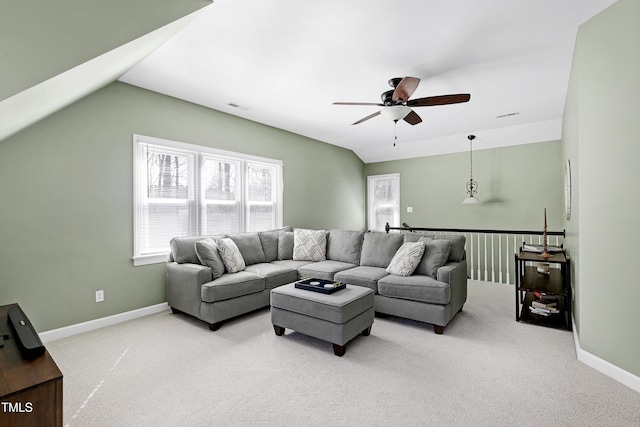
x=397, y=105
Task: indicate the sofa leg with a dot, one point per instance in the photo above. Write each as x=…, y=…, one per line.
x=339, y=350
x=175, y=310
x=279, y=330
x=215, y=326
x=438, y=329
x=367, y=332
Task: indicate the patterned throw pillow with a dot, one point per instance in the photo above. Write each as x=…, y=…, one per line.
x=309, y=245
x=231, y=256
x=406, y=259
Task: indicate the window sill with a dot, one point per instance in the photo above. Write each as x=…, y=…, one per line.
x=150, y=259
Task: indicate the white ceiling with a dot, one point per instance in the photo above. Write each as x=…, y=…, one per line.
x=284, y=62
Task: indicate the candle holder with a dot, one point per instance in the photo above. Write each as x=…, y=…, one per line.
x=545, y=254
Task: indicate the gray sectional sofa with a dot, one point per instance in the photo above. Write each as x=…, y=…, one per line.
x=199, y=282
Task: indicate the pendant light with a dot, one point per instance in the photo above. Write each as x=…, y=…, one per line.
x=472, y=186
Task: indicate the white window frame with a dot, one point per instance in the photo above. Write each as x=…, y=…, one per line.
x=371, y=200
x=197, y=218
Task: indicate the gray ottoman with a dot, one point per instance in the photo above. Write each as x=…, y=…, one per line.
x=337, y=317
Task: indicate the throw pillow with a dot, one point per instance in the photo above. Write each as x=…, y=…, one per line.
x=406, y=259
x=285, y=245
x=231, y=256
x=250, y=247
x=436, y=253
x=309, y=245
x=269, y=241
x=207, y=252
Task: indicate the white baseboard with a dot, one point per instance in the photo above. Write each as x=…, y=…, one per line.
x=627, y=378
x=67, y=331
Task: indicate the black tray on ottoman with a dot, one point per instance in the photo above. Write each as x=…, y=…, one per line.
x=320, y=285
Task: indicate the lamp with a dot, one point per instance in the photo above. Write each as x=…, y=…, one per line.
x=472, y=186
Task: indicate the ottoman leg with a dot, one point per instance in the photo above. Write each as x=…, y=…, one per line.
x=339, y=350
x=279, y=330
x=367, y=331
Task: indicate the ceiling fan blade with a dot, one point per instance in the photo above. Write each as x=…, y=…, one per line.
x=405, y=88
x=412, y=118
x=439, y=100
x=370, y=116
x=359, y=103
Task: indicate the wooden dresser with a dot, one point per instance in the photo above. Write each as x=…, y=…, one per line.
x=30, y=389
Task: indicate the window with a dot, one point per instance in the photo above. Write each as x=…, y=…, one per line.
x=187, y=190
x=383, y=201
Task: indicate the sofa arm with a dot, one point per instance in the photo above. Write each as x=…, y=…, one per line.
x=184, y=286
x=455, y=274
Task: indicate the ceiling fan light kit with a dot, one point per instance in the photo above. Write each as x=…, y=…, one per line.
x=396, y=112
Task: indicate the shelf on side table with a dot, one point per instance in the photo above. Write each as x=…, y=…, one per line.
x=549, y=283
x=557, y=320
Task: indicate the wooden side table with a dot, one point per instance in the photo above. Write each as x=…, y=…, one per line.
x=557, y=283
x=30, y=389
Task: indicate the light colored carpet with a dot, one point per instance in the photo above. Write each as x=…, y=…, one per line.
x=486, y=370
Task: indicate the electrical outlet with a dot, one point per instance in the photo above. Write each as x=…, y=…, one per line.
x=409, y=209
x=99, y=296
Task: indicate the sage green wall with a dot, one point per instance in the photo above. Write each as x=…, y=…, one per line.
x=40, y=39
x=602, y=139
x=515, y=185
x=570, y=141
x=66, y=222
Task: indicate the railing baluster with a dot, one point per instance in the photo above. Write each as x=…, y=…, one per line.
x=479, y=273
x=500, y=257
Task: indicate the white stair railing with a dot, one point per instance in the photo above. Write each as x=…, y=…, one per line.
x=490, y=252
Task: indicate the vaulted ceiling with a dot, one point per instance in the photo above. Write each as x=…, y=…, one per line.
x=284, y=62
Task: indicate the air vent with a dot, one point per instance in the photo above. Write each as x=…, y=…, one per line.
x=234, y=105
x=502, y=116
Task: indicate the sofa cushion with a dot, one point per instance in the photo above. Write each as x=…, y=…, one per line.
x=274, y=274
x=379, y=248
x=207, y=252
x=345, y=246
x=250, y=247
x=285, y=245
x=232, y=286
x=406, y=259
x=436, y=254
x=309, y=245
x=414, y=237
x=269, y=241
x=183, y=248
x=324, y=269
x=362, y=276
x=231, y=256
x=291, y=263
x=457, y=245
x=415, y=288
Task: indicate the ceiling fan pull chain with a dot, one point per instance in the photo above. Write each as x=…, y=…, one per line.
x=395, y=132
